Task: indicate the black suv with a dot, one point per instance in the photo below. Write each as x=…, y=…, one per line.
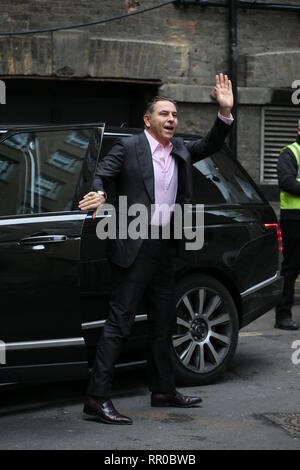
x=55, y=277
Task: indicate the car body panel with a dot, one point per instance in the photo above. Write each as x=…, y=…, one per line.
x=40, y=321
x=55, y=295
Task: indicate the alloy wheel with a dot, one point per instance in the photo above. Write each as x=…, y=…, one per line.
x=204, y=330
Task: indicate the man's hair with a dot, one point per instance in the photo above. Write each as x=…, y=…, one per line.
x=150, y=106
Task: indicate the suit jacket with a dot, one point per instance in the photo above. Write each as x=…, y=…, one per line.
x=129, y=164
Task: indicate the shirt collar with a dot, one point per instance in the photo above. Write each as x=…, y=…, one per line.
x=154, y=143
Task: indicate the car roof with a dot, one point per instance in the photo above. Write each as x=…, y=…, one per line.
x=118, y=130
x=136, y=130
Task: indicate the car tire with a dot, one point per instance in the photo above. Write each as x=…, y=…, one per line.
x=207, y=328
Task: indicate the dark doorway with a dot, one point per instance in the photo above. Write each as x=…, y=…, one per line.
x=64, y=101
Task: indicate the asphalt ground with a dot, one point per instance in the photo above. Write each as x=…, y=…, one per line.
x=256, y=405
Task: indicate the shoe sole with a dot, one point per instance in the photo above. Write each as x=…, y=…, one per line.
x=102, y=420
x=284, y=328
x=164, y=405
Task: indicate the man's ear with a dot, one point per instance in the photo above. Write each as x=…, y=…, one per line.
x=147, y=121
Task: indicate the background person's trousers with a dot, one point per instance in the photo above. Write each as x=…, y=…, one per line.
x=151, y=276
x=290, y=266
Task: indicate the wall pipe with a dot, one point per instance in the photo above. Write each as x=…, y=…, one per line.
x=233, y=71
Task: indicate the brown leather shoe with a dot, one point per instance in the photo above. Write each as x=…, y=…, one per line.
x=176, y=399
x=105, y=412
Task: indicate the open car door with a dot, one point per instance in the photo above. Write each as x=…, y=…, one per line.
x=44, y=172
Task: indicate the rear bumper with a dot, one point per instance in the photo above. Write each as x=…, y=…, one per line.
x=260, y=298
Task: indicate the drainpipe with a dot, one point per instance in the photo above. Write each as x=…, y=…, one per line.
x=233, y=70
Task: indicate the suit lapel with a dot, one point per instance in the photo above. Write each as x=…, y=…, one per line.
x=177, y=149
x=180, y=153
x=144, y=156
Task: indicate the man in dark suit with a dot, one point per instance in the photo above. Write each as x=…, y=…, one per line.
x=151, y=167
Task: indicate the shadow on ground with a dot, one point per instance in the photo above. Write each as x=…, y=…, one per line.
x=24, y=398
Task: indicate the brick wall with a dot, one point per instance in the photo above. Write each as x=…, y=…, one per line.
x=182, y=47
x=202, y=32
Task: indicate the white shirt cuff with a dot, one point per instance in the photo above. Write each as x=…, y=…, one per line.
x=227, y=120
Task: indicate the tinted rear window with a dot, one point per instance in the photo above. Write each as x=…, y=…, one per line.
x=109, y=141
x=218, y=180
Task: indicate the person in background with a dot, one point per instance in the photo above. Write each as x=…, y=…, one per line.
x=289, y=183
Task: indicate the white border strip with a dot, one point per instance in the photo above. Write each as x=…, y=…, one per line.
x=52, y=343
x=40, y=219
x=99, y=323
x=261, y=285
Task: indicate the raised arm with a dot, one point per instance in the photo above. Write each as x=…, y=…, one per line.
x=213, y=141
x=222, y=94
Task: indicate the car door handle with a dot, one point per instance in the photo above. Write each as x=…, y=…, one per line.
x=42, y=239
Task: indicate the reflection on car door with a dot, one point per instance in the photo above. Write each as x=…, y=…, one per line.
x=43, y=174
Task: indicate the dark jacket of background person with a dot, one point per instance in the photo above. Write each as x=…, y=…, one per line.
x=287, y=171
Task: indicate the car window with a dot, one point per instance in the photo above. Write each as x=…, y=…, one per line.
x=40, y=170
x=218, y=180
x=109, y=141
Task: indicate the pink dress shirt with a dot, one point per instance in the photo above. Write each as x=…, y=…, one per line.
x=165, y=180
x=166, y=177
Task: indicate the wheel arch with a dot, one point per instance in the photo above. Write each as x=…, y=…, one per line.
x=222, y=278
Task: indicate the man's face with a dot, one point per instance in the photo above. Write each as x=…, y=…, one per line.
x=162, y=123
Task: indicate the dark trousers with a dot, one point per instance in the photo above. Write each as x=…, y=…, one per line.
x=151, y=276
x=290, y=266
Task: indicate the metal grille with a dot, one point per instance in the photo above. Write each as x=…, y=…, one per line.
x=279, y=127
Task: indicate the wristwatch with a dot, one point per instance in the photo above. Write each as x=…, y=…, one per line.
x=102, y=193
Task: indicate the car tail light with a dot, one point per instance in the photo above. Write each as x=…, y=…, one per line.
x=276, y=227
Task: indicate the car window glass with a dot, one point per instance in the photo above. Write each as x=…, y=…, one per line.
x=107, y=144
x=109, y=140
x=40, y=171
x=218, y=179
x=13, y=178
